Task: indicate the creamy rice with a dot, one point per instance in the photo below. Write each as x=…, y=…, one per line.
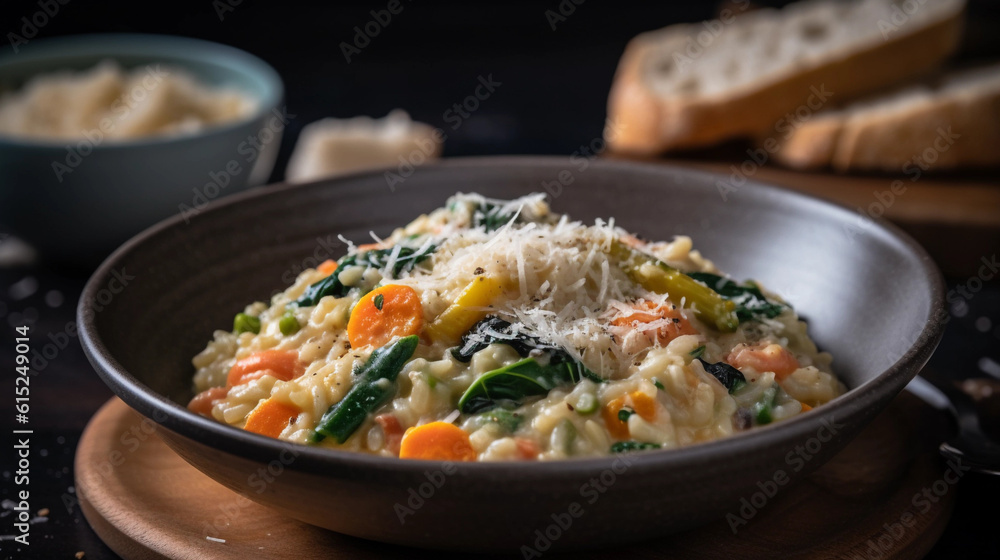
x=635, y=366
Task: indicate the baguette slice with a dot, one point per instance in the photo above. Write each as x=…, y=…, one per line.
x=692, y=85
x=944, y=124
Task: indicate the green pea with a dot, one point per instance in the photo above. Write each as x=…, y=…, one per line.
x=246, y=323
x=288, y=325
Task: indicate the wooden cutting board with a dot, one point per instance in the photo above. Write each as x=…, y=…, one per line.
x=955, y=215
x=144, y=501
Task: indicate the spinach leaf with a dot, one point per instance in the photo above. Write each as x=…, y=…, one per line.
x=490, y=216
x=729, y=376
x=749, y=300
x=631, y=445
x=406, y=260
x=494, y=330
x=508, y=420
x=514, y=383
x=329, y=286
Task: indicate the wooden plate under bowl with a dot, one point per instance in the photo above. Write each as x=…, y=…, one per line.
x=146, y=502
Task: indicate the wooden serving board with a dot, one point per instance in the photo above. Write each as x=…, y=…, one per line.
x=955, y=215
x=144, y=501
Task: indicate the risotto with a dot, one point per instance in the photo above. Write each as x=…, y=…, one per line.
x=499, y=330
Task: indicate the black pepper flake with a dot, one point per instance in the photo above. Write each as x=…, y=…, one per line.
x=570, y=407
x=479, y=270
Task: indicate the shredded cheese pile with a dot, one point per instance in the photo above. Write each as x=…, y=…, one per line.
x=564, y=283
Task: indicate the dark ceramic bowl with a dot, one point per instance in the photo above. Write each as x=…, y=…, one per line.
x=872, y=296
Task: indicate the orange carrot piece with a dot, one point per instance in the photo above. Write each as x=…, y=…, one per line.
x=371, y=247
x=649, y=312
x=270, y=418
x=806, y=408
x=526, y=448
x=327, y=267
x=617, y=428
x=437, y=441
x=644, y=405
x=282, y=364
x=640, y=403
x=202, y=402
x=392, y=430
x=384, y=314
x=771, y=357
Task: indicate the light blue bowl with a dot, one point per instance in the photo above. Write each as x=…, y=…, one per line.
x=75, y=201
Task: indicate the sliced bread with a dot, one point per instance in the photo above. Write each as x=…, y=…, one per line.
x=692, y=85
x=944, y=123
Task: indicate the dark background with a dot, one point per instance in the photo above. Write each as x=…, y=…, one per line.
x=554, y=86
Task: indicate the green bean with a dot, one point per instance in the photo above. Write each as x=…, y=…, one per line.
x=374, y=384
x=656, y=276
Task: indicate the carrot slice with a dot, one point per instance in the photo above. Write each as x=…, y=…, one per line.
x=283, y=364
x=270, y=418
x=673, y=323
x=616, y=427
x=771, y=357
x=202, y=402
x=806, y=408
x=327, y=267
x=640, y=403
x=384, y=314
x=437, y=441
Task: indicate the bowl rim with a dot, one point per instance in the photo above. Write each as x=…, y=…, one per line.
x=148, y=45
x=235, y=441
